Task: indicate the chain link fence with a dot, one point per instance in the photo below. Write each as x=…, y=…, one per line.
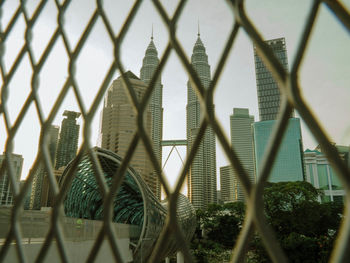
x=254, y=219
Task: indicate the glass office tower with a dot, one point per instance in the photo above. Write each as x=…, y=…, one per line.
x=288, y=165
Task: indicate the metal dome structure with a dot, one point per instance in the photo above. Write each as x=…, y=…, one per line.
x=134, y=204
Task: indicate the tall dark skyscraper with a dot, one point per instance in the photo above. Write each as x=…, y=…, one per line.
x=149, y=66
x=288, y=165
x=268, y=92
x=68, y=141
x=202, y=174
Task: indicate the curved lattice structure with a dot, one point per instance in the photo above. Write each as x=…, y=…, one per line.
x=134, y=203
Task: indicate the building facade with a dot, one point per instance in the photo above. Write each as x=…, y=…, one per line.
x=322, y=176
x=149, y=66
x=242, y=142
x=6, y=194
x=288, y=164
x=227, y=184
x=202, y=173
x=118, y=126
x=268, y=91
x=53, y=142
x=47, y=195
x=38, y=196
x=26, y=204
x=68, y=141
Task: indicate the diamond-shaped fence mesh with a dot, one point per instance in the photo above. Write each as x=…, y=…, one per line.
x=290, y=99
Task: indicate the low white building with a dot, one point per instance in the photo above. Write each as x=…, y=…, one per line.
x=322, y=176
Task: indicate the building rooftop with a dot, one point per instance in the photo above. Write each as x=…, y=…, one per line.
x=71, y=114
x=131, y=75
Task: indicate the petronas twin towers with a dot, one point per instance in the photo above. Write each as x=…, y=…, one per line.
x=119, y=123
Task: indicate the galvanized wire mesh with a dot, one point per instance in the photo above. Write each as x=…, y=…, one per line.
x=254, y=219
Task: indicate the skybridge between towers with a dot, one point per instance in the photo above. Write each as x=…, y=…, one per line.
x=173, y=144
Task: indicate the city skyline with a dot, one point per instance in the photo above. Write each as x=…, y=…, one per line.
x=321, y=57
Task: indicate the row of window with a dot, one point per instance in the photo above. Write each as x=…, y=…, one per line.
x=260, y=66
x=265, y=81
x=263, y=74
x=268, y=92
x=280, y=55
x=267, y=98
x=265, y=117
x=268, y=86
x=269, y=104
x=269, y=110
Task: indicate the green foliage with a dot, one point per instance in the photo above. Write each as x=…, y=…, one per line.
x=217, y=231
x=305, y=228
x=285, y=196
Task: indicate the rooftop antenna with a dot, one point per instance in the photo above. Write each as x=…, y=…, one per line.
x=152, y=32
x=198, y=29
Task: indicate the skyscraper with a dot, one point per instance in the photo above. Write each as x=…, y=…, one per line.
x=37, y=194
x=228, y=184
x=6, y=195
x=288, y=165
x=149, y=66
x=68, y=141
x=118, y=126
x=268, y=92
x=202, y=173
x=242, y=141
x=53, y=142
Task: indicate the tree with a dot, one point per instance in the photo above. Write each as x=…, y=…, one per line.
x=305, y=228
x=217, y=231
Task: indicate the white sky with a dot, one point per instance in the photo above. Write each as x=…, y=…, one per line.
x=324, y=76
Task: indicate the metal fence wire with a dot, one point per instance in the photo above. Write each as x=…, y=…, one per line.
x=254, y=219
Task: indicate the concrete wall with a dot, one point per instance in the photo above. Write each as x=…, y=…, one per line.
x=79, y=237
x=76, y=252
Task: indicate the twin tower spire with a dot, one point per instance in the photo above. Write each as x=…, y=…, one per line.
x=201, y=185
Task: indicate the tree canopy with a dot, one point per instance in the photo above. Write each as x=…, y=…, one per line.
x=305, y=228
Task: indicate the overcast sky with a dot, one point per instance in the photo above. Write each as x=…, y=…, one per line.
x=324, y=76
